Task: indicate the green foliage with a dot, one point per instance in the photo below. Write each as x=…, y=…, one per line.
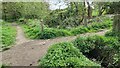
x=66, y=18
x=86, y=44
x=99, y=47
x=52, y=33
x=12, y=11
x=113, y=34
x=114, y=8
x=8, y=35
x=48, y=33
x=33, y=30
x=92, y=27
x=100, y=25
x=3, y=66
x=79, y=30
x=65, y=54
x=110, y=33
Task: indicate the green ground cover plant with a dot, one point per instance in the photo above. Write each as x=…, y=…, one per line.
x=92, y=27
x=103, y=49
x=35, y=33
x=8, y=36
x=32, y=29
x=65, y=54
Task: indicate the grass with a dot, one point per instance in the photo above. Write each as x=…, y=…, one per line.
x=8, y=35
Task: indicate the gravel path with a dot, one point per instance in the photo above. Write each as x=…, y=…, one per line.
x=27, y=52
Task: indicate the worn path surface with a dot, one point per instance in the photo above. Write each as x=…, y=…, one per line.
x=27, y=52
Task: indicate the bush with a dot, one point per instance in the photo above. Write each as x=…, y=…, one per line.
x=97, y=26
x=31, y=32
x=52, y=33
x=99, y=47
x=92, y=27
x=112, y=34
x=33, y=29
x=13, y=11
x=8, y=36
x=79, y=30
x=35, y=32
x=65, y=54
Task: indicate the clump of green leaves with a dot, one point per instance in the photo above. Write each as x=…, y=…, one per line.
x=100, y=25
x=100, y=48
x=112, y=34
x=65, y=54
x=33, y=30
x=52, y=33
x=79, y=30
x=93, y=27
x=8, y=36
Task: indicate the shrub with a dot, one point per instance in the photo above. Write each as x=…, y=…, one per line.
x=52, y=33
x=14, y=11
x=100, y=25
x=99, y=47
x=31, y=32
x=47, y=33
x=112, y=34
x=92, y=27
x=65, y=54
x=79, y=30
x=33, y=29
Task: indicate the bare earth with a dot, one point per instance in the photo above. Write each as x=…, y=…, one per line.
x=27, y=52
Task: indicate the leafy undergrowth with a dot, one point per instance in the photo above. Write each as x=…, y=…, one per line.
x=65, y=55
x=93, y=27
x=33, y=30
x=101, y=48
x=8, y=35
x=111, y=33
x=35, y=33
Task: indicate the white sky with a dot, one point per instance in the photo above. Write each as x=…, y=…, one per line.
x=56, y=4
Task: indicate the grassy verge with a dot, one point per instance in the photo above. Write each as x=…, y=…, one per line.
x=8, y=36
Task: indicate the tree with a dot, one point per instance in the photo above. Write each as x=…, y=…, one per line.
x=12, y=11
x=103, y=7
x=116, y=24
x=114, y=7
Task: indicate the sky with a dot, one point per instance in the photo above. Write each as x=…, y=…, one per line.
x=56, y=4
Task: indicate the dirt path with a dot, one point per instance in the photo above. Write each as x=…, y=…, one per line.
x=28, y=52
x=20, y=36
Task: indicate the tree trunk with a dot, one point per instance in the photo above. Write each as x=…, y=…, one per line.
x=116, y=24
x=84, y=16
x=89, y=11
x=41, y=24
